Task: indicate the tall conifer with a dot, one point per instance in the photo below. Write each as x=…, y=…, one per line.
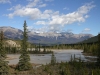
x=4, y=68
x=53, y=59
x=24, y=59
x=98, y=59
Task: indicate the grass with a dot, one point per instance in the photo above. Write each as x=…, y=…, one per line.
x=63, y=68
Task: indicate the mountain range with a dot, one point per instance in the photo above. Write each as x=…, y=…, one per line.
x=45, y=38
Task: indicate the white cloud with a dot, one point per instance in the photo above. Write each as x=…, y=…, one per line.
x=79, y=15
x=85, y=8
x=30, y=10
x=40, y=23
x=10, y=9
x=33, y=3
x=49, y=0
x=32, y=13
x=36, y=3
x=42, y=5
x=86, y=30
x=86, y=16
x=53, y=20
x=48, y=11
x=15, y=7
x=5, y=1
x=46, y=14
x=65, y=8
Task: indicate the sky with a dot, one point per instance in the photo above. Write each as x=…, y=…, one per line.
x=76, y=16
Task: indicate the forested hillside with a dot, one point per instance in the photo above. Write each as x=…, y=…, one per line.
x=90, y=40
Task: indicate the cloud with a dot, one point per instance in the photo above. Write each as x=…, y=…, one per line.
x=53, y=20
x=32, y=13
x=79, y=15
x=46, y=14
x=86, y=16
x=40, y=23
x=86, y=30
x=35, y=3
x=49, y=0
x=15, y=7
x=65, y=8
x=31, y=10
x=42, y=5
x=5, y=1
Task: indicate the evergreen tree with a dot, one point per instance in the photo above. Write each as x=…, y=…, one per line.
x=53, y=59
x=24, y=59
x=71, y=59
x=44, y=49
x=98, y=59
x=4, y=68
x=39, y=47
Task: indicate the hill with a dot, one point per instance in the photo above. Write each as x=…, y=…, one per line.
x=91, y=40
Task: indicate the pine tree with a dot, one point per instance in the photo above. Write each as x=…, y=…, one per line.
x=71, y=59
x=39, y=47
x=53, y=59
x=4, y=68
x=44, y=49
x=24, y=59
x=98, y=55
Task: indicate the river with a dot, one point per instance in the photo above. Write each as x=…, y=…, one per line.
x=61, y=55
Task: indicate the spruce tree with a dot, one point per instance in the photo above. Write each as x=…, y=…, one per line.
x=24, y=60
x=44, y=50
x=39, y=47
x=53, y=59
x=4, y=68
x=98, y=55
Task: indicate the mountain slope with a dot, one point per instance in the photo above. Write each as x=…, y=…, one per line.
x=91, y=40
x=11, y=33
x=57, y=38
x=45, y=38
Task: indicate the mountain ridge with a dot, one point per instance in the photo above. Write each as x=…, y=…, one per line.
x=45, y=38
x=91, y=40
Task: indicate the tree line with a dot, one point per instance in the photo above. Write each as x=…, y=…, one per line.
x=86, y=47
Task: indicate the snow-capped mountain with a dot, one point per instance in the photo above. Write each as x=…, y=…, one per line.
x=45, y=38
